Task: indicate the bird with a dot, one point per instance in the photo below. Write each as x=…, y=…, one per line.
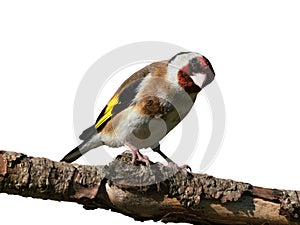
x=147, y=106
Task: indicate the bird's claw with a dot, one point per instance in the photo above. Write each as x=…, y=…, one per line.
x=183, y=167
x=144, y=159
x=136, y=155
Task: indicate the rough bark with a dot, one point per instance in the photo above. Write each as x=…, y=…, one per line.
x=148, y=193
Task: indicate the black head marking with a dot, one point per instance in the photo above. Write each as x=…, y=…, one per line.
x=180, y=53
x=194, y=65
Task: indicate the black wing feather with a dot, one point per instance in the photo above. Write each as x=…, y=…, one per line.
x=126, y=97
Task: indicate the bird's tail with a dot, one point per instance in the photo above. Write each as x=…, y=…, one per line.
x=80, y=150
x=73, y=155
x=77, y=152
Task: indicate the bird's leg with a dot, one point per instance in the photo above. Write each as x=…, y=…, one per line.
x=137, y=155
x=157, y=149
x=171, y=163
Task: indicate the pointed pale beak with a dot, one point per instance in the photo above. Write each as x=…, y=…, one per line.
x=199, y=79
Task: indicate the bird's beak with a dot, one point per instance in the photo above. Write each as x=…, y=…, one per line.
x=199, y=79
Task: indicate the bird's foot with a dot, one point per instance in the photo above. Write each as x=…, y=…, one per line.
x=143, y=158
x=136, y=155
x=183, y=167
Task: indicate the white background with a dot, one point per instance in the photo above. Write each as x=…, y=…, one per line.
x=45, y=49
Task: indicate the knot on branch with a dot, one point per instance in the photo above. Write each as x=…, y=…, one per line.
x=123, y=174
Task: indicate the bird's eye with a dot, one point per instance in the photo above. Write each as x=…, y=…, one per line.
x=194, y=60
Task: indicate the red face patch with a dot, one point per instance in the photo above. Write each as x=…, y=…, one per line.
x=186, y=82
x=204, y=63
x=186, y=69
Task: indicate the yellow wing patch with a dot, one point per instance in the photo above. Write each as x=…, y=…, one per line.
x=108, y=111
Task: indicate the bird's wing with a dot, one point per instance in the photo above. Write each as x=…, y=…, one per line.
x=122, y=98
x=117, y=103
x=120, y=101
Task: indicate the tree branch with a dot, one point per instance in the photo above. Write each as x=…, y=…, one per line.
x=148, y=193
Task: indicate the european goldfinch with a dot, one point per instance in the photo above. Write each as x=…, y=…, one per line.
x=147, y=106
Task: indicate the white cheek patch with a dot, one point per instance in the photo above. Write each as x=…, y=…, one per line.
x=199, y=79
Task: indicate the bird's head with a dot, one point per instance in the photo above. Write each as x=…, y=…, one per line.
x=190, y=68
